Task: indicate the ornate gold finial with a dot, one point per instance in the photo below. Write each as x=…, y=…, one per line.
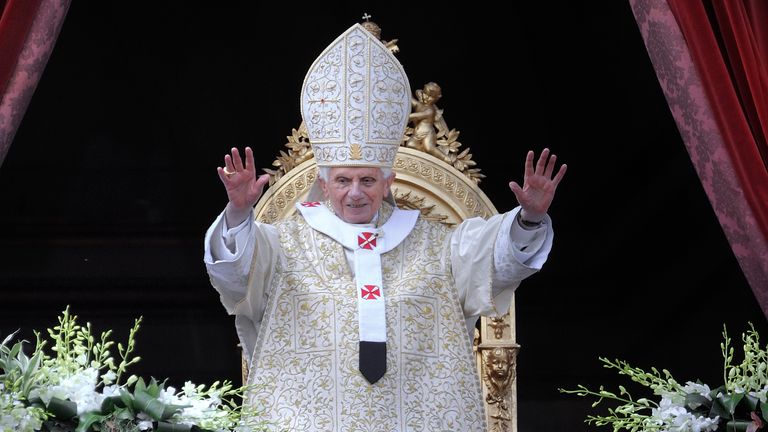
x=375, y=30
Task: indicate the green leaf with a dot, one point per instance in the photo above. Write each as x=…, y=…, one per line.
x=714, y=392
x=140, y=386
x=764, y=410
x=694, y=401
x=127, y=399
x=27, y=383
x=112, y=403
x=7, y=339
x=751, y=401
x=718, y=410
x=63, y=409
x=737, y=426
x=15, y=350
x=153, y=388
x=726, y=404
x=157, y=410
x=145, y=403
x=170, y=410
x=87, y=420
x=172, y=427
x=124, y=414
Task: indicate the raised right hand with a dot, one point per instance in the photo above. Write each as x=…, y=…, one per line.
x=243, y=187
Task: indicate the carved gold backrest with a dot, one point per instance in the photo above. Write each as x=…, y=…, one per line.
x=443, y=185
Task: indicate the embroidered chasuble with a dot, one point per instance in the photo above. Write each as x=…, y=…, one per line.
x=305, y=362
x=309, y=291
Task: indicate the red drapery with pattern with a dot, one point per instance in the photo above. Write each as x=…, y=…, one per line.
x=711, y=59
x=731, y=55
x=28, y=32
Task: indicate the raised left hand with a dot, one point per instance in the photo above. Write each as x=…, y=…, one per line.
x=539, y=186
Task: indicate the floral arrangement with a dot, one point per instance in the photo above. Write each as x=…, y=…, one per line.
x=80, y=386
x=739, y=405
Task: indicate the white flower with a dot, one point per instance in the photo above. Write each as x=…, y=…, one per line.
x=109, y=377
x=81, y=359
x=109, y=391
x=15, y=417
x=701, y=389
x=70, y=375
x=145, y=422
x=678, y=419
x=761, y=394
x=671, y=397
x=189, y=389
x=79, y=388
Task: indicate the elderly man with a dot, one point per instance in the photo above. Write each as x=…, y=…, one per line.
x=353, y=313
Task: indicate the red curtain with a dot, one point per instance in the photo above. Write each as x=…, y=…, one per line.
x=15, y=22
x=711, y=59
x=731, y=55
x=28, y=32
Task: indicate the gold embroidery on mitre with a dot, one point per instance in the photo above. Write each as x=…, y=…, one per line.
x=355, y=152
x=357, y=92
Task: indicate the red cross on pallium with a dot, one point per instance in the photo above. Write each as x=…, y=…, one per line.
x=371, y=292
x=366, y=240
x=310, y=204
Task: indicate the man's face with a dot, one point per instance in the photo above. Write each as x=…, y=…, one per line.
x=356, y=193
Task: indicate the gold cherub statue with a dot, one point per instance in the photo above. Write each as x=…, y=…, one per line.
x=427, y=121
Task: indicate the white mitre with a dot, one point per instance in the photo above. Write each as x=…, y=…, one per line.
x=355, y=103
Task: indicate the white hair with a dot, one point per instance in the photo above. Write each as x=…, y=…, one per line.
x=324, y=172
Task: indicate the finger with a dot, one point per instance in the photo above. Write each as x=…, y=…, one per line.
x=228, y=165
x=222, y=175
x=550, y=166
x=560, y=174
x=236, y=159
x=528, y=164
x=262, y=181
x=516, y=189
x=542, y=161
x=249, y=162
x=258, y=186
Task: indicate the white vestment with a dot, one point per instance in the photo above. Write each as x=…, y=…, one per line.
x=294, y=298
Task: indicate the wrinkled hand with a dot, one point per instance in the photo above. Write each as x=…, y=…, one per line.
x=243, y=187
x=539, y=187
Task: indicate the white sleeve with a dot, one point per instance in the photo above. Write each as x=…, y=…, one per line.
x=490, y=257
x=517, y=254
x=240, y=263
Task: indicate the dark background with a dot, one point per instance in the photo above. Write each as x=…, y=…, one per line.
x=111, y=183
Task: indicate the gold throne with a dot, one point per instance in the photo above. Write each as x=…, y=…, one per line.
x=441, y=182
